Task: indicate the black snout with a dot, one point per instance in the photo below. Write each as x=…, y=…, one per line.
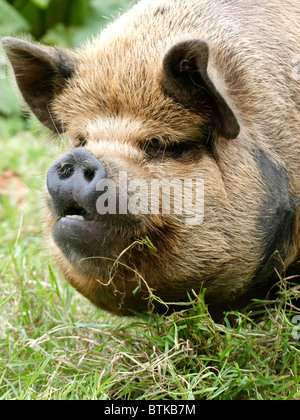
x=72, y=182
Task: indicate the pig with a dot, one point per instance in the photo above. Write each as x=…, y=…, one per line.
x=193, y=103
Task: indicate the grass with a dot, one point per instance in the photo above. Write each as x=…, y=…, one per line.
x=55, y=345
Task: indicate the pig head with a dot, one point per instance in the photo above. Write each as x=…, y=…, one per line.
x=185, y=95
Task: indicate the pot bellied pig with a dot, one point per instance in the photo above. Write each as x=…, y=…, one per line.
x=182, y=165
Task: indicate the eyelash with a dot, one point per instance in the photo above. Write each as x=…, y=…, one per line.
x=82, y=142
x=155, y=150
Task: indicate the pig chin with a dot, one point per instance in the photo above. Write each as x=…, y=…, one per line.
x=89, y=245
x=81, y=241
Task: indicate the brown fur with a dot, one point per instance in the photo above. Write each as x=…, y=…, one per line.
x=116, y=100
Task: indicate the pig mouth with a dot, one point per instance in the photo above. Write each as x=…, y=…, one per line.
x=80, y=234
x=90, y=244
x=87, y=233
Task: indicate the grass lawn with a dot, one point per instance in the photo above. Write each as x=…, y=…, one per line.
x=55, y=345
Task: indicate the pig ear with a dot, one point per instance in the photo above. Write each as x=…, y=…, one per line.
x=186, y=79
x=41, y=74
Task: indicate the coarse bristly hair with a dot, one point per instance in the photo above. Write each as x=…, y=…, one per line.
x=120, y=91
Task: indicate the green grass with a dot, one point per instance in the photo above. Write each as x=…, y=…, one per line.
x=55, y=345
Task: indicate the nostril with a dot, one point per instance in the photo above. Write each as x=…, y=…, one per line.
x=65, y=170
x=89, y=174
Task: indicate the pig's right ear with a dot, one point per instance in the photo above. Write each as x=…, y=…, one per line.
x=187, y=80
x=41, y=74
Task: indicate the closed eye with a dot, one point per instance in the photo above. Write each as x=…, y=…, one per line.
x=81, y=142
x=156, y=150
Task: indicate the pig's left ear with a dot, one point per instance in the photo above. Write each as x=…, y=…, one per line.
x=186, y=79
x=41, y=74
